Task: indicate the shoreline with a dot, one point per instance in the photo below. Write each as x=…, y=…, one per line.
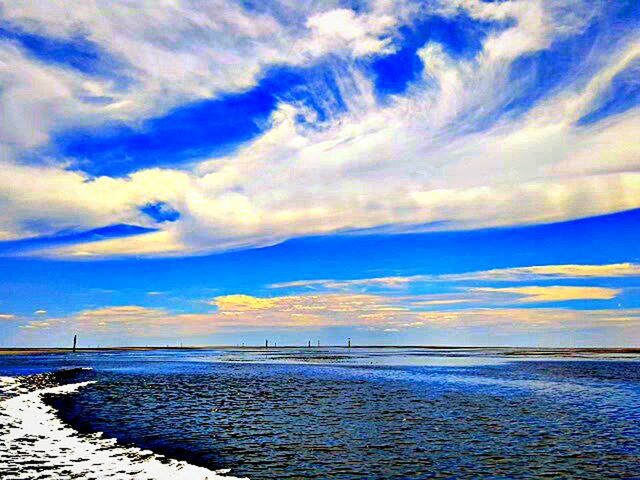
x=507, y=351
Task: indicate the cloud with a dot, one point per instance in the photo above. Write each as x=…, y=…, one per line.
x=40, y=312
x=154, y=243
x=451, y=149
x=128, y=320
x=548, y=320
x=6, y=316
x=233, y=313
x=533, y=294
x=455, y=301
x=244, y=313
x=550, y=272
x=220, y=47
x=515, y=274
x=35, y=325
x=343, y=29
x=307, y=311
x=382, y=282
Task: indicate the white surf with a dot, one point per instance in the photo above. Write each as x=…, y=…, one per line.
x=35, y=443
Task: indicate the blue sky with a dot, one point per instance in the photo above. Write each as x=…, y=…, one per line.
x=398, y=172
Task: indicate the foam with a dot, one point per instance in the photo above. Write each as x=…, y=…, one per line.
x=35, y=443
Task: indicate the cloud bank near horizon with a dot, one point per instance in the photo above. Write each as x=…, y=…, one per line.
x=520, y=307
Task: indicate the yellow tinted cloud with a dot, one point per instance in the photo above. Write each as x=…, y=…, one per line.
x=307, y=310
x=154, y=243
x=298, y=313
x=235, y=313
x=243, y=303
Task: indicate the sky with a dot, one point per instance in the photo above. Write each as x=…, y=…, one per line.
x=454, y=172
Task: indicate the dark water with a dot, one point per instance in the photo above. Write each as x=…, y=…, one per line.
x=379, y=415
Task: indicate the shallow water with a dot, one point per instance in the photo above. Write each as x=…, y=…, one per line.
x=380, y=413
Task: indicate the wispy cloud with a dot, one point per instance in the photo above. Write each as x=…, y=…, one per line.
x=34, y=325
x=528, y=319
x=515, y=274
x=550, y=272
x=467, y=156
x=441, y=301
x=384, y=282
x=555, y=293
x=6, y=316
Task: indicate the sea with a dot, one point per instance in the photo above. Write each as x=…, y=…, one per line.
x=320, y=413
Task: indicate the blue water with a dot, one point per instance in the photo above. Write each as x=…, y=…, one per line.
x=381, y=414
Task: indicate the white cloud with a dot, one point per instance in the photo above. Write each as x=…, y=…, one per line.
x=427, y=156
x=168, y=54
x=514, y=274
x=550, y=272
x=343, y=29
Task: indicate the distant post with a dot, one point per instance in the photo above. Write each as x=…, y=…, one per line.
x=309, y=346
x=75, y=341
x=349, y=342
x=266, y=344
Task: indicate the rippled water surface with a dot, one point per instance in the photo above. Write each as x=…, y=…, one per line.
x=380, y=414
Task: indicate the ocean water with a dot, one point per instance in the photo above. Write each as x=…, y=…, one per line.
x=320, y=413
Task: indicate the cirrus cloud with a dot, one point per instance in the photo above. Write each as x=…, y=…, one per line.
x=553, y=293
x=450, y=150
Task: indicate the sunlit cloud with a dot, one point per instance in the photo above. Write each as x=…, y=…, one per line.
x=382, y=282
x=443, y=301
x=515, y=274
x=452, y=149
x=550, y=272
x=162, y=243
x=236, y=313
x=555, y=293
x=6, y=316
x=307, y=311
x=243, y=313
x=38, y=325
x=528, y=319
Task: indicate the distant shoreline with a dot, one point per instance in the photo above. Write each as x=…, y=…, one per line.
x=507, y=351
